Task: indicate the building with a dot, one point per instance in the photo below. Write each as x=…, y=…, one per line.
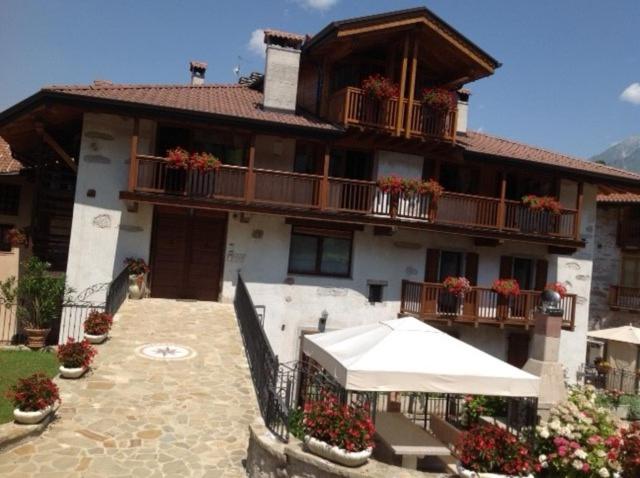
x=295, y=207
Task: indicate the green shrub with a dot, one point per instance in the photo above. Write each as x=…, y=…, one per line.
x=296, y=428
x=634, y=406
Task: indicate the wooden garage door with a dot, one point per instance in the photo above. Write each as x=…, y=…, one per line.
x=188, y=253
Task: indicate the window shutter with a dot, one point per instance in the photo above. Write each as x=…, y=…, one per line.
x=506, y=267
x=542, y=266
x=471, y=268
x=431, y=269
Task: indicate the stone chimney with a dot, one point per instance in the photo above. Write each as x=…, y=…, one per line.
x=463, y=110
x=281, y=70
x=197, y=69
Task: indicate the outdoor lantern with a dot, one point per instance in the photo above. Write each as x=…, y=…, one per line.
x=551, y=303
x=322, y=323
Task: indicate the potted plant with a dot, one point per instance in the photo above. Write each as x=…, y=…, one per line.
x=558, y=287
x=138, y=270
x=602, y=366
x=75, y=357
x=439, y=99
x=457, y=286
x=97, y=326
x=34, y=398
x=16, y=237
x=342, y=433
x=38, y=296
x=393, y=186
x=178, y=158
x=506, y=287
x=490, y=451
x=204, y=162
x=542, y=203
x=379, y=87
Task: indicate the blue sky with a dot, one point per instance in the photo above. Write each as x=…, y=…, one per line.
x=565, y=63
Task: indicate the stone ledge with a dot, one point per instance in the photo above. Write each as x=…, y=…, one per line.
x=267, y=457
x=12, y=434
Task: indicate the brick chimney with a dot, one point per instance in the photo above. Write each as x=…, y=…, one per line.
x=463, y=110
x=197, y=69
x=281, y=70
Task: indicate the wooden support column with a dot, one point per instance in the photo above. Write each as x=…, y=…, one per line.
x=133, y=156
x=53, y=144
x=403, y=80
x=502, y=206
x=250, y=178
x=412, y=87
x=579, y=201
x=324, y=185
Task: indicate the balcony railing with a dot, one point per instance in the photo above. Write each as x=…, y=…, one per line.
x=348, y=196
x=627, y=298
x=351, y=106
x=432, y=302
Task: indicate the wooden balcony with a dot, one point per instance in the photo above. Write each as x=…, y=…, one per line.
x=431, y=302
x=624, y=298
x=352, y=107
x=354, y=200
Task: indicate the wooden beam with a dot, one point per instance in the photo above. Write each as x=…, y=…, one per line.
x=48, y=139
x=250, y=178
x=403, y=80
x=579, y=201
x=324, y=185
x=133, y=156
x=502, y=205
x=412, y=87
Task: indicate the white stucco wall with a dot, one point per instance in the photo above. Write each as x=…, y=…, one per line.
x=103, y=232
x=281, y=78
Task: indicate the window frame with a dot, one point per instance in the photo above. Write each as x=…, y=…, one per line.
x=636, y=279
x=320, y=234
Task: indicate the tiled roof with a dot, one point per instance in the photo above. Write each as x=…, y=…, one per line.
x=492, y=145
x=8, y=164
x=294, y=37
x=236, y=101
x=618, y=198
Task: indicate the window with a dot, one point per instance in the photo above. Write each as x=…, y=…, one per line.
x=376, y=291
x=450, y=265
x=4, y=244
x=523, y=272
x=9, y=199
x=630, y=276
x=320, y=251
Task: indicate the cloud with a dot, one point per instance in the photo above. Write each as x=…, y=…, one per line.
x=631, y=94
x=256, y=43
x=321, y=5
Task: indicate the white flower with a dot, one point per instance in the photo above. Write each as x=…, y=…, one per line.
x=580, y=453
x=601, y=453
x=542, y=458
x=577, y=464
x=544, y=433
x=603, y=472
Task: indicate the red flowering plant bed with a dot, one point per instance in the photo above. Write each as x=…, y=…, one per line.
x=179, y=158
x=346, y=426
x=98, y=323
x=558, y=287
x=33, y=393
x=542, y=203
x=492, y=449
x=379, y=87
x=457, y=286
x=506, y=287
x=630, y=452
x=393, y=185
x=439, y=99
x=75, y=354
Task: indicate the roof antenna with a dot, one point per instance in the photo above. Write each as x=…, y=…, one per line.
x=236, y=71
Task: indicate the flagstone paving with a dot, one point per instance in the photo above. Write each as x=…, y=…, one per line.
x=135, y=416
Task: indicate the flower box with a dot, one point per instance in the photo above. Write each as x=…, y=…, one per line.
x=75, y=358
x=72, y=372
x=95, y=339
x=379, y=87
x=97, y=326
x=335, y=454
x=439, y=99
x=464, y=473
x=34, y=398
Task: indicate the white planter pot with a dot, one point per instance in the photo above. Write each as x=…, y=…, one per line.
x=31, y=418
x=464, y=473
x=137, y=289
x=335, y=454
x=96, y=339
x=622, y=411
x=75, y=372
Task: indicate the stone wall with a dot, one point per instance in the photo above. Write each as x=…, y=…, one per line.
x=607, y=265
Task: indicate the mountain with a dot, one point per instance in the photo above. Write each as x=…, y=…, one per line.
x=625, y=154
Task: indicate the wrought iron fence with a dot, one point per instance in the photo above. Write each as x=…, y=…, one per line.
x=627, y=381
x=8, y=323
x=117, y=291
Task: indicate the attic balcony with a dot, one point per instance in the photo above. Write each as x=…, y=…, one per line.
x=249, y=189
x=351, y=107
x=482, y=306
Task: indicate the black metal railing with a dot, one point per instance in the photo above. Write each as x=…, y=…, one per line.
x=8, y=323
x=117, y=291
x=611, y=378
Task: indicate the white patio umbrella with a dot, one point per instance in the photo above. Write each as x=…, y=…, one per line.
x=407, y=355
x=627, y=334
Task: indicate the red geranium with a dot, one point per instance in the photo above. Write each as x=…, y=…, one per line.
x=98, y=323
x=630, y=451
x=33, y=393
x=558, y=287
x=136, y=265
x=178, y=158
x=492, y=449
x=379, y=87
x=439, y=98
x=76, y=354
x=391, y=184
x=542, y=203
x=458, y=286
x=347, y=426
x=506, y=287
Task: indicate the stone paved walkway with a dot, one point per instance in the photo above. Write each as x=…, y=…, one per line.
x=134, y=416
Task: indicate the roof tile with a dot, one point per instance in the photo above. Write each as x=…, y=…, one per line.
x=8, y=164
x=618, y=198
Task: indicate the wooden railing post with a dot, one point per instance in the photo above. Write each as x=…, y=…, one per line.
x=412, y=87
x=579, y=201
x=250, y=179
x=403, y=291
x=502, y=206
x=403, y=80
x=133, y=156
x=324, y=184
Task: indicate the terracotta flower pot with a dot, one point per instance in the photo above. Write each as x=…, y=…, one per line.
x=31, y=418
x=36, y=338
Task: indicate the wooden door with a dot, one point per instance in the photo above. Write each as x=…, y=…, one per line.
x=187, y=253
